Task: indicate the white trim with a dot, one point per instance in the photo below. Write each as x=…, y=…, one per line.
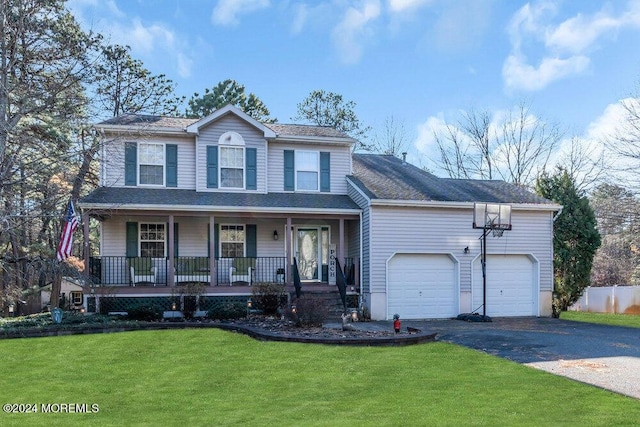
x=244, y=169
x=296, y=170
x=210, y=208
x=164, y=242
x=244, y=241
x=139, y=163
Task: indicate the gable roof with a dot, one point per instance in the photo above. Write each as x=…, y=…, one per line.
x=151, y=123
x=387, y=178
x=229, y=109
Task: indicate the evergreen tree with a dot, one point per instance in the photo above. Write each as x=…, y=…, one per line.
x=575, y=238
x=228, y=92
x=330, y=109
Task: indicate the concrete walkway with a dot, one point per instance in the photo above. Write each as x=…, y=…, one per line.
x=604, y=356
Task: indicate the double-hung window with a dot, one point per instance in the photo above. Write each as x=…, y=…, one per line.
x=232, y=241
x=307, y=170
x=152, y=240
x=231, y=167
x=151, y=163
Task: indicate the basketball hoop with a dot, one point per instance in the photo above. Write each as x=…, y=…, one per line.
x=494, y=217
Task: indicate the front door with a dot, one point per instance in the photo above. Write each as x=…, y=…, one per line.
x=308, y=253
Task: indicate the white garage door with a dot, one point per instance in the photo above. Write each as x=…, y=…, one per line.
x=510, y=286
x=421, y=286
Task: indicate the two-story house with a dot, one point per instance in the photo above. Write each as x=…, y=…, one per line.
x=228, y=201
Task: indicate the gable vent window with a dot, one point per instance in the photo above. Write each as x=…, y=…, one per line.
x=151, y=163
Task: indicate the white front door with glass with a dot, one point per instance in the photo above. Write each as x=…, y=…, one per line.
x=312, y=252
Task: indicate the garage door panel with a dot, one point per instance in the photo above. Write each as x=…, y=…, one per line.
x=510, y=286
x=421, y=286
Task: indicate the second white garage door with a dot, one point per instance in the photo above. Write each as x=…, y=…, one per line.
x=422, y=286
x=511, y=286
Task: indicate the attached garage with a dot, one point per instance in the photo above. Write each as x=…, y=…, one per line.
x=512, y=285
x=422, y=286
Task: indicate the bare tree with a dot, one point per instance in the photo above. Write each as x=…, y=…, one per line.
x=392, y=139
x=516, y=149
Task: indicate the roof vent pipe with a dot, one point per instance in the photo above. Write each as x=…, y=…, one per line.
x=404, y=157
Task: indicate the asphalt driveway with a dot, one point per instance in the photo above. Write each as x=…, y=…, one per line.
x=605, y=356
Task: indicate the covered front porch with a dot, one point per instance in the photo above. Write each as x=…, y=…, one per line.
x=166, y=249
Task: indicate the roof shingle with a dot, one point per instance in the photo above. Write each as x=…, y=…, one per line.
x=387, y=177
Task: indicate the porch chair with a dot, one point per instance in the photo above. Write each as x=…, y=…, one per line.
x=242, y=270
x=141, y=270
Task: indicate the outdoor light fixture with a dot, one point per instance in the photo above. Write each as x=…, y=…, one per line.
x=354, y=316
x=275, y=234
x=249, y=303
x=173, y=306
x=466, y=250
x=293, y=309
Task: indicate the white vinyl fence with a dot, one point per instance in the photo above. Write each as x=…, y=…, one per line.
x=609, y=299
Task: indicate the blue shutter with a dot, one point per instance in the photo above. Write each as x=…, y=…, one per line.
x=172, y=165
x=130, y=163
x=252, y=240
x=252, y=168
x=216, y=239
x=289, y=170
x=212, y=166
x=132, y=239
x=325, y=172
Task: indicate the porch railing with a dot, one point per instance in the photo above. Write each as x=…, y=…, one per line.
x=116, y=271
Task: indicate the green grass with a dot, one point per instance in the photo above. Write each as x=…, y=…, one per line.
x=629, y=320
x=211, y=377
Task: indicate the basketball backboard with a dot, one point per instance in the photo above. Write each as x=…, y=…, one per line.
x=492, y=216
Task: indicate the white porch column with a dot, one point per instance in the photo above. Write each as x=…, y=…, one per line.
x=171, y=252
x=213, y=277
x=85, y=243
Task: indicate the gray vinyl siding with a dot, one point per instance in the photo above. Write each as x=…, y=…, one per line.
x=210, y=136
x=438, y=230
x=362, y=202
x=340, y=164
x=113, y=163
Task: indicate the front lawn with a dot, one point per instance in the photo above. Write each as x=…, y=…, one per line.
x=629, y=320
x=211, y=377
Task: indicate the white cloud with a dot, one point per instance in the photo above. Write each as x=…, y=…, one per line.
x=226, y=12
x=405, y=5
x=605, y=126
x=565, y=45
x=425, y=141
x=147, y=41
x=519, y=74
x=349, y=34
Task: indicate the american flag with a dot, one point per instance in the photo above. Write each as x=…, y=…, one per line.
x=71, y=222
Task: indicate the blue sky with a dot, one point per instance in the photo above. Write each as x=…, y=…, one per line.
x=420, y=61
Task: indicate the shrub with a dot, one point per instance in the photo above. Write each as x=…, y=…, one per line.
x=226, y=311
x=268, y=297
x=144, y=313
x=309, y=311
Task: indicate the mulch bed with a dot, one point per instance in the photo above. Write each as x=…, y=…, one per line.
x=258, y=327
